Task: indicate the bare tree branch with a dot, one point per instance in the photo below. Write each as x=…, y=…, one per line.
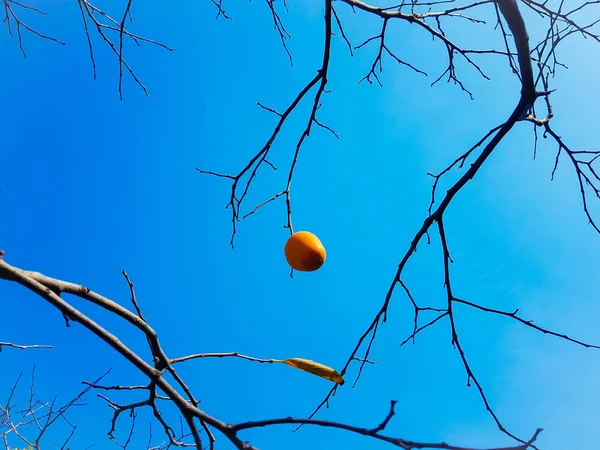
x=22, y=347
x=30, y=423
x=49, y=289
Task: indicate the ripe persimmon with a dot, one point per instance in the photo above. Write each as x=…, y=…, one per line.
x=304, y=252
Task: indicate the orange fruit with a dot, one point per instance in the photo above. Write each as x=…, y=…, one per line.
x=304, y=252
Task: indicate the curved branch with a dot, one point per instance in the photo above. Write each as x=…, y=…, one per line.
x=46, y=288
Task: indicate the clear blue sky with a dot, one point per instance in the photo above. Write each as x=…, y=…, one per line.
x=92, y=185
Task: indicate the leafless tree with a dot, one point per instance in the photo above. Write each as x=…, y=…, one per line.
x=27, y=422
x=535, y=64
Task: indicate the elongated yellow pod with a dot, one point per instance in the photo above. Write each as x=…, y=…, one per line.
x=315, y=368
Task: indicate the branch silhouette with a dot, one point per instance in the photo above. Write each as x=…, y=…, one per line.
x=533, y=65
x=52, y=290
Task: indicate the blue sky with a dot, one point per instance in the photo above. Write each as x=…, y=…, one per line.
x=92, y=185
